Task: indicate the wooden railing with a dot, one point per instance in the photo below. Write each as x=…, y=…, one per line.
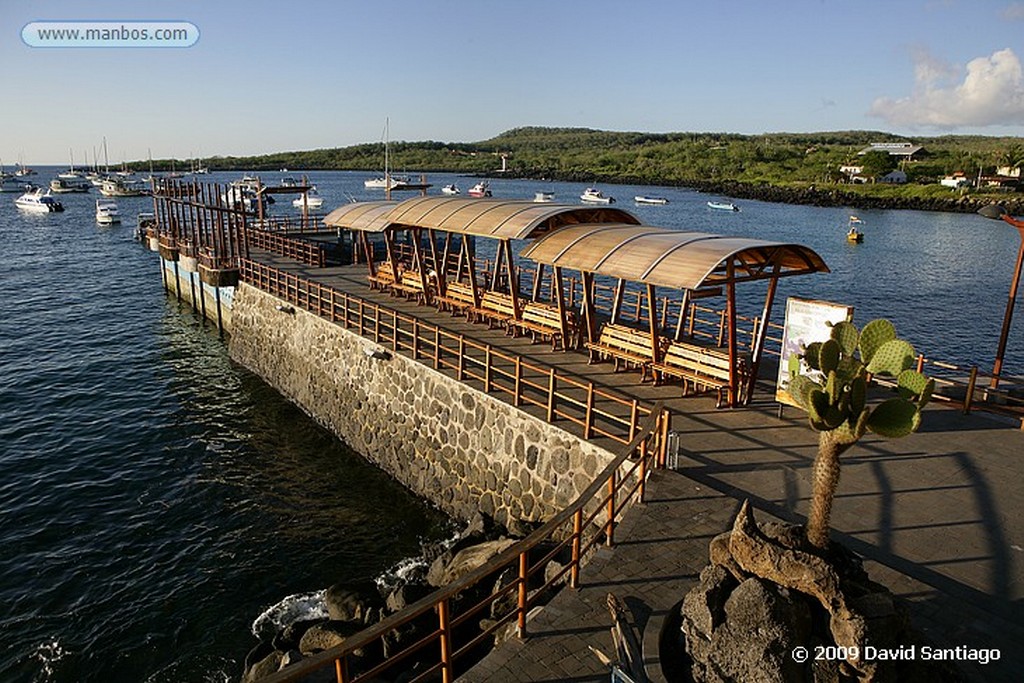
x=588, y=520
x=597, y=411
x=970, y=388
x=303, y=251
x=313, y=223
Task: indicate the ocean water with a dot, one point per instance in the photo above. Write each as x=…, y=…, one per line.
x=156, y=499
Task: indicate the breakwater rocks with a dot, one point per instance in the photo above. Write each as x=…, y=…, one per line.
x=836, y=196
x=832, y=195
x=344, y=610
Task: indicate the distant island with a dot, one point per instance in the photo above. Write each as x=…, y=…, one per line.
x=867, y=169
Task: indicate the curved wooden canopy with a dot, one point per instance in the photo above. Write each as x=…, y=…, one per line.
x=670, y=258
x=497, y=218
x=363, y=216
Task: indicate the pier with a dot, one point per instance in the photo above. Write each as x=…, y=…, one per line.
x=933, y=514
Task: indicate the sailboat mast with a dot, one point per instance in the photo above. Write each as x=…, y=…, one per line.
x=387, y=174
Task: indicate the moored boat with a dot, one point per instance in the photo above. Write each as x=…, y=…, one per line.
x=644, y=199
x=107, y=212
x=594, y=196
x=310, y=199
x=450, y=189
x=116, y=186
x=65, y=185
x=38, y=202
x=723, y=206
x=481, y=189
x=853, y=234
x=11, y=183
x=544, y=196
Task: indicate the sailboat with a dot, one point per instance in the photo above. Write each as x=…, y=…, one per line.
x=386, y=181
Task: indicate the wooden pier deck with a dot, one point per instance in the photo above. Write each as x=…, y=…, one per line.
x=936, y=515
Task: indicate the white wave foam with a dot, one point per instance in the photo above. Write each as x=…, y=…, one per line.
x=413, y=568
x=298, y=607
x=48, y=654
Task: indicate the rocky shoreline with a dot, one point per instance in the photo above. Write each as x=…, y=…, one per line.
x=810, y=196
x=344, y=610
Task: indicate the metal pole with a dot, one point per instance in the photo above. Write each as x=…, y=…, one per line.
x=997, y=367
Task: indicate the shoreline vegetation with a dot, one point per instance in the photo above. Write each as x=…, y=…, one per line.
x=794, y=168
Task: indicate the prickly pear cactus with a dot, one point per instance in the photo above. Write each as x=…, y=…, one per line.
x=834, y=394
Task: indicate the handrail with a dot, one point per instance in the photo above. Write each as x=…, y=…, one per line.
x=654, y=427
x=526, y=382
x=303, y=251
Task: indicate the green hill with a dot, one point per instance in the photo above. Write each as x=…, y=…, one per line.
x=790, y=163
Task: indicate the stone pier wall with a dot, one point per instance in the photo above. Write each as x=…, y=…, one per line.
x=455, y=445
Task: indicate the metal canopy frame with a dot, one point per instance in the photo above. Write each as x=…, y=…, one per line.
x=693, y=262
x=499, y=219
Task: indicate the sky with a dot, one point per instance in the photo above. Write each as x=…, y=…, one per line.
x=267, y=76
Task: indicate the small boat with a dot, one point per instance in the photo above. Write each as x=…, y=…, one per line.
x=594, y=196
x=117, y=186
x=644, y=199
x=310, y=199
x=481, y=189
x=107, y=212
x=853, y=235
x=11, y=183
x=65, y=185
x=451, y=189
x=723, y=206
x=379, y=183
x=544, y=196
x=36, y=201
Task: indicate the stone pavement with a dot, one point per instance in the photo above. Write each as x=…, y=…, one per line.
x=936, y=516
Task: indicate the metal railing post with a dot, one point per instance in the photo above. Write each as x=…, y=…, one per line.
x=521, y=606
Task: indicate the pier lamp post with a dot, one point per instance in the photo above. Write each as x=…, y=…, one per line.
x=997, y=367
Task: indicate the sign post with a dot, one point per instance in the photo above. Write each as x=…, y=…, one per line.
x=807, y=321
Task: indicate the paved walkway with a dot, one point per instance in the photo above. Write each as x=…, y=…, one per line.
x=937, y=516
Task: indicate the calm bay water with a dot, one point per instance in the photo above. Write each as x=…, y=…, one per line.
x=155, y=498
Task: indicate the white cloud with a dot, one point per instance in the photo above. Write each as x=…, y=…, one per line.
x=991, y=93
x=1014, y=11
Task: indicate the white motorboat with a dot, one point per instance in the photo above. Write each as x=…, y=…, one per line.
x=723, y=206
x=644, y=199
x=379, y=183
x=38, y=201
x=310, y=199
x=451, y=189
x=481, y=189
x=544, y=196
x=107, y=212
x=594, y=196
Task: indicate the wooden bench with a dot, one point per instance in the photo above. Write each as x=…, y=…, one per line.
x=545, y=321
x=458, y=298
x=702, y=367
x=496, y=307
x=625, y=344
x=382, y=278
x=411, y=286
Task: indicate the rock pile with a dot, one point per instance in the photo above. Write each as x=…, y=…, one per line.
x=351, y=609
x=768, y=608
